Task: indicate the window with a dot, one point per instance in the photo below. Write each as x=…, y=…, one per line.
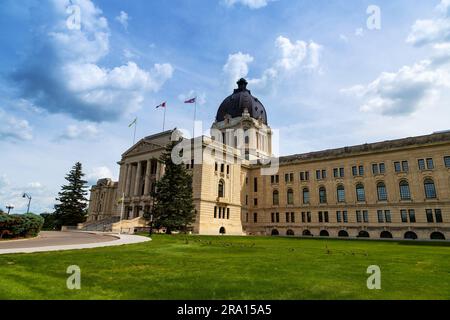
x=378, y=168
x=216, y=166
x=305, y=196
x=322, y=195
x=255, y=184
x=255, y=217
x=405, y=193
x=341, y=193
x=215, y=212
x=404, y=215
x=381, y=191
x=326, y=217
x=397, y=167
x=382, y=168
x=338, y=216
x=430, y=189
x=401, y=166
x=421, y=163
x=304, y=176
x=438, y=214
x=358, y=216
x=292, y=217
x=288, y=217
x=276, y=198
x=360, y=193
x=221, y=189
x=228, y=169
x=246, y=199
x=447, y=161
x=338, y=172
x=344, y=213
x=380, y=216
x=324, y=174
x=246, y=217
x=255, y=202
x=275, y=179
x=366, y=216
x=361, y=170
x=354, y=171
x=308, y=216
x=405, y=166
x=222, y=168
x=375, y=169
x=320, y=217
x=290, y=196
x=318, y=175
x=430, y=164
x=412, y=216
x=430, y=218
x=228, y=213
x=277, y=217
x=387, y=216
x=289, y=177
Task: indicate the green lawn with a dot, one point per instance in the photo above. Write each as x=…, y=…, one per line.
x=197, y=267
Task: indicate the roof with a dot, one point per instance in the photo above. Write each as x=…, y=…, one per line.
x=241, y=99
x=434, y=138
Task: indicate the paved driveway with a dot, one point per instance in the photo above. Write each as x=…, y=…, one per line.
x=54, y=238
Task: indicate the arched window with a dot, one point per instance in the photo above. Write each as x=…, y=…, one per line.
x=322, y=195
x=305, y=196
x=290, y=232
x=360, y=192
x=386, y=235
x=343, y=234
x=221, y=189
x=324, y=233
x=290, y=196
x=276, y=198
x=405, y=192
x=275, y=232
x=381, y=191
x=340, y=193
x=430, y=189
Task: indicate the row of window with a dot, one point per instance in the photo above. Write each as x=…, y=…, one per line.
x=222, y=168
x=221, y=213
x=358, y=171
x=362, y=216
x=382, y=193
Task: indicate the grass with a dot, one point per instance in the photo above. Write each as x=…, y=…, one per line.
x=199, y=267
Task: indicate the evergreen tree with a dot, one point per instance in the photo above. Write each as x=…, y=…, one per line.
x=173, y=206
x=71, y=209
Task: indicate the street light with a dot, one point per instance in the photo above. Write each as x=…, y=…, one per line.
x=25, y=195
x=9, y=207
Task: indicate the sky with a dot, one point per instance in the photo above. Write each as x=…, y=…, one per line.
x=75, y=73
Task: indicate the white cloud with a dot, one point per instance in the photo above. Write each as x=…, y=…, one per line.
x=13, y=128
x=359, y=32
x=292, y=57
x=83, y=131
x=97, y=173
x=35, y=185
x=252, y=4
x=74, y=82
x=123, y=18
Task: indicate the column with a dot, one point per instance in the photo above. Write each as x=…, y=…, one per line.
x=138, y=179
x=147, y=179
x=127, y=179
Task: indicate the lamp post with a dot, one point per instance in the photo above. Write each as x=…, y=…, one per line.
x=9, y=207
x=26, y=195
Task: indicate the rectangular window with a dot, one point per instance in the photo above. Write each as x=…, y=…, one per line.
x=287, y=217
x=277, y=216
x=375, y=169
x=255, y=184
x=308, y=215
x=397, y=167
x=344, y=213
x=302, y=176
x=220, y=213
x=355, y=171
x=430, y=218
x=273, y=217
x=404, y=216
x=405, y=166
x=382, y=168
x=361, y=170
x=358, y=216
x=292, y=217
x=216, y=167
x=326, y=218
x=338, y=216
x=318, y=176
x=255, y=202
x=380, y=216
x=255, y=217
x=421, y=163
x=438, y=213
x=336, y=172
x=246, y=200
x=215, y=212
x=246, y=217
x=447, y=161
x=303, y=217
x=342, y=172
x=387, y=216
x=228, y=169
x=320, y=217
x=324, y=174
x=291, y=176
x=307, y=175
x=272, y=179
x=430, y=164
x=286, y=177
x=412, y=216
x=228, y=213
x=366, y=216
x=222, y=168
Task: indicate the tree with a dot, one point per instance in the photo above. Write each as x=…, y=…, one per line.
x=173, y=206
x=71, y=209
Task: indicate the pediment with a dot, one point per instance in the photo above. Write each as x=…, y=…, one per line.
x=142, y=147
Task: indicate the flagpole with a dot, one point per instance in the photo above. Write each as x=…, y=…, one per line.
x=121, y=212
x=134, y=136
x=195, y=116
x=164, y=119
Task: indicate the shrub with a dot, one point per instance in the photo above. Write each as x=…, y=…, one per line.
x=25, y=225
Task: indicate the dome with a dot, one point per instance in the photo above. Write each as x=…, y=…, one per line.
x=240, y=100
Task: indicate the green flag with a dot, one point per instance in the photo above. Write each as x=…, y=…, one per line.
x=134, y=122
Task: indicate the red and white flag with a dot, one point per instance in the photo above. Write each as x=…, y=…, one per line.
x=191, y=100
x=162, y=105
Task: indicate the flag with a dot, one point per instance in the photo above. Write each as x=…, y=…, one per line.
x=131, y=124
x=162, y=105
x=191, y=100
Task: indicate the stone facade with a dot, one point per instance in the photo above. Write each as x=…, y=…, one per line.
x=393, y=189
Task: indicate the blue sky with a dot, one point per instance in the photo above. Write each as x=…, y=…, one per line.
x=69, y=87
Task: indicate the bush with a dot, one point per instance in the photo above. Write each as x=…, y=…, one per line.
x=24, y=225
